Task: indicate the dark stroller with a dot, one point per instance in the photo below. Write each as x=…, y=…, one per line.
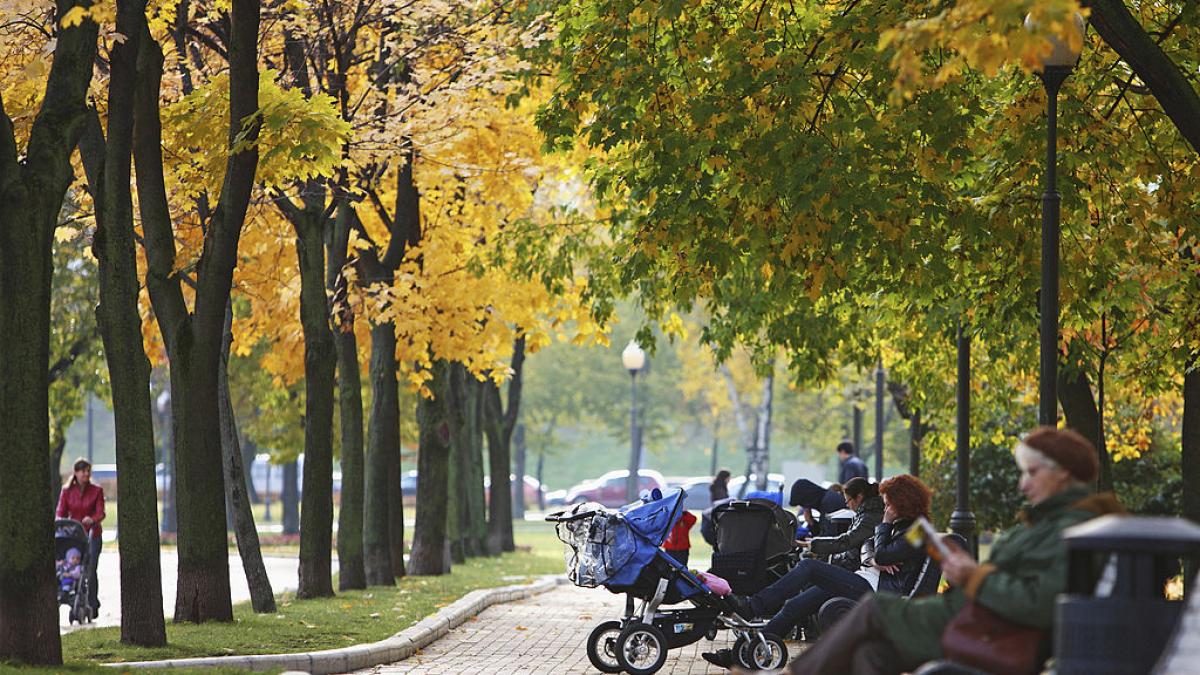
x=69, y=534
x=755, y=543
x=620, y=551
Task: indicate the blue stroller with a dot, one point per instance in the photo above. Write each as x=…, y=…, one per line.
x=619, y=550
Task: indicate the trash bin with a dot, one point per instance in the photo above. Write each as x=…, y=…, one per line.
x=1115, y=617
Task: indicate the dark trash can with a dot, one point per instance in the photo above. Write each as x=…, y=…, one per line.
x=1115, y=617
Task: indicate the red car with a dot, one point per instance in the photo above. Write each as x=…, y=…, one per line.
x=609, y=489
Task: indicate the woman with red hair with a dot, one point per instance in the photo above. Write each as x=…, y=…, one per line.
x=889, y=565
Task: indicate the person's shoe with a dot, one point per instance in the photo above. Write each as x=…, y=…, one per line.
x=742, y=606
x=721, y=657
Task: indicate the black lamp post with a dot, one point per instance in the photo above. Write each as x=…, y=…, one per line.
x=1055, y=69
x=962, y=521
x=633, y=358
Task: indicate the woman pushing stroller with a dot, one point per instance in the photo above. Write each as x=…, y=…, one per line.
x=885, y=561
x=83, y=500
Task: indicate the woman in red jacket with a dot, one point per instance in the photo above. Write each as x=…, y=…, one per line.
x=83, y=500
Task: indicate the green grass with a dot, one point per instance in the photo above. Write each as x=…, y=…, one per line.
x=350, y=618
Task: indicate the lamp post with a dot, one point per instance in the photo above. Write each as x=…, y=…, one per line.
x=962, y=521
x=633, y=359
x=1055, y=69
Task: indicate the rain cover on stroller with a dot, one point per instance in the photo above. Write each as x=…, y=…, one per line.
x=608, y=548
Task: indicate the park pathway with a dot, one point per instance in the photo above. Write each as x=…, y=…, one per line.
x=282, y=571
x=542, y=634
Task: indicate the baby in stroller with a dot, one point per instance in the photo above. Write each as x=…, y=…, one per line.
x=69, y=571
x=620, y=550
x=71, y=567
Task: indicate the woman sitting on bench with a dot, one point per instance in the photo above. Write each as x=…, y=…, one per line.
x=889, y=564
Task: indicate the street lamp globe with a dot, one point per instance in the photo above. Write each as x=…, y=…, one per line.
x=1063, y=54
x=633, y=357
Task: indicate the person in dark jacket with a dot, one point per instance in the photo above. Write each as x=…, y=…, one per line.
x=843, y=549
x=1026, y=570
x=849, y=465
x=719, y=488
x=890, y=565
x=809, y=497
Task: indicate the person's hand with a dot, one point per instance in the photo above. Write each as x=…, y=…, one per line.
x=958, y=566
x=885, y=569
x=87, y=521
x=889, y=514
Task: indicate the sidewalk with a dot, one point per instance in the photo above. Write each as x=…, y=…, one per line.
x=542, y=634
x=283, y=572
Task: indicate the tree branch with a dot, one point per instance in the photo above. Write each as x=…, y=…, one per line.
x=1122, y=32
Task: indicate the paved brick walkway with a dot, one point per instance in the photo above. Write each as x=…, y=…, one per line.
x=543, y=634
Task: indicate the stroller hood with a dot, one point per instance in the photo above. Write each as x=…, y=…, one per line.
x=654, y=519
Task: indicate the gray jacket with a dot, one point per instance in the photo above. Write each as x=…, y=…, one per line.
x=844, y=549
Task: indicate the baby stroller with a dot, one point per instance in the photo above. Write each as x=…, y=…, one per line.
x=755, y=543
x=619, y=550
x=69, y=534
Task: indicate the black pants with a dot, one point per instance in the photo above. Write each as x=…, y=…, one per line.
x=93, y=582
x=856, y=644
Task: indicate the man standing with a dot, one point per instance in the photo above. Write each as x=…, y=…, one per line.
x=851, y=466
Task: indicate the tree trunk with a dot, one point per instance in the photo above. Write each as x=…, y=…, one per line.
x=429, y=552
x=316, y=511
x=499, y=425
x=120, y=324
x=541, y=466
x=56, y=453
x=31, y=194
x=1082, y=415
x=500, y=504
x=383, y=449
x=518, y=487
x=1190, y=454
x=478, y=519
x=193, y=339
x=249, y=452
x=290, y=499
x=262, y=598
x=761, y=461
x=396, y=518
x=351, y=573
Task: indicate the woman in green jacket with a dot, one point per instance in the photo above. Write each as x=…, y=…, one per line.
x=1026, y=570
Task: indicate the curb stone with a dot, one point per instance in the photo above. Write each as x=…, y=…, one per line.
x=396, y=648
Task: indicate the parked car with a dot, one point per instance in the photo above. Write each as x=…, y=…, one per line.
x=556, y=498
x=609, y=489
x=408, y=487
x=698, y=497
x=775, y=483
x=532, y=488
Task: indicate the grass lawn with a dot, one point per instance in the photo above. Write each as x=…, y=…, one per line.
x=350, y=618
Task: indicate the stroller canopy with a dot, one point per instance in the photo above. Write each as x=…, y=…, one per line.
x=754, y=525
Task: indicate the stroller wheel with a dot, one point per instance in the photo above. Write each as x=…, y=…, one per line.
x=641, y=649
x=753, y=654
x=602, y=647
x=71, y=616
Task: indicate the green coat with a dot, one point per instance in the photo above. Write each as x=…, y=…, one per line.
x=1026, y=570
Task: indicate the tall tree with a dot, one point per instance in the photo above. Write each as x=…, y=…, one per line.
x=32, y=186
x=193, y=338
x=431, y=545
x=499, y=424
x=351, y=573
x=120, y=323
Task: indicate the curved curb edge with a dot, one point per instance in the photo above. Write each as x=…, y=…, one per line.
x=396, y=648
